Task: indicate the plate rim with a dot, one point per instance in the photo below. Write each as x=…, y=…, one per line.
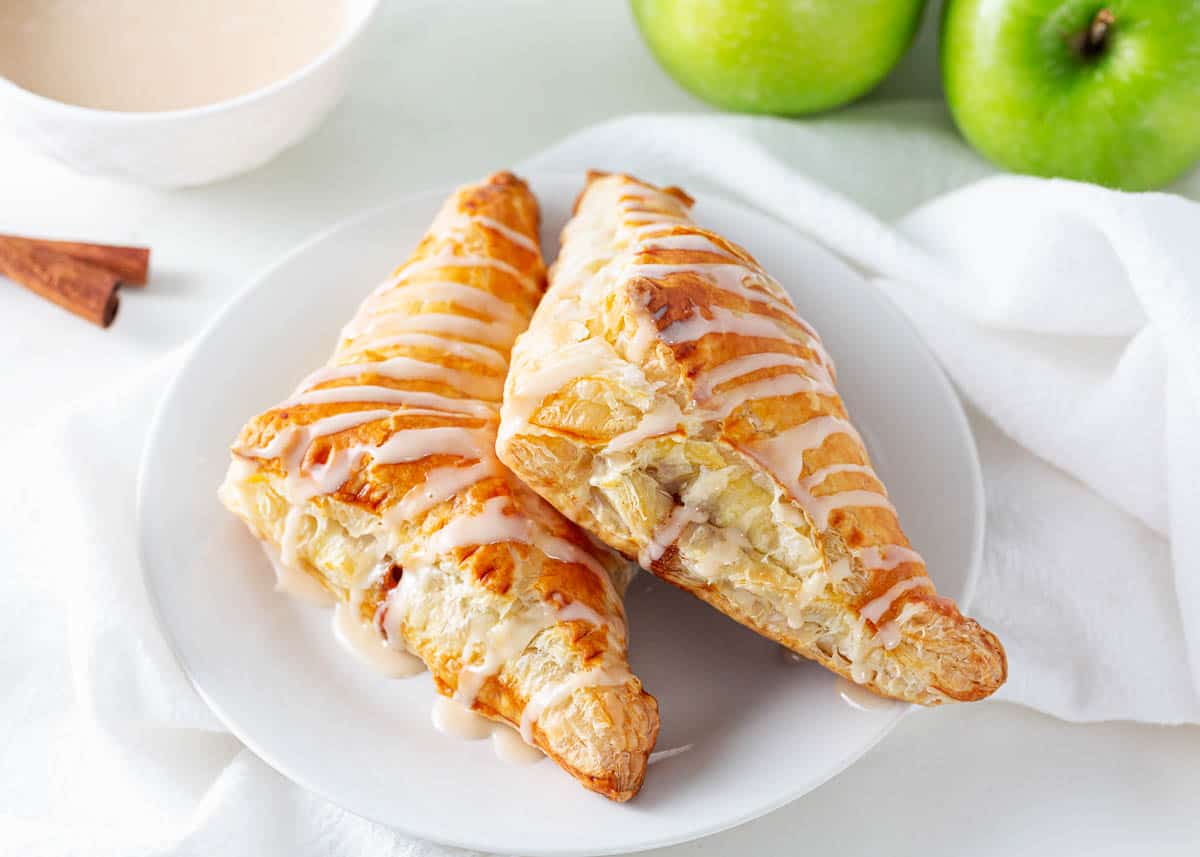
x=438, y=192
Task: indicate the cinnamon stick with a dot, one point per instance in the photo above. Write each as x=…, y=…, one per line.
x=82, y=288
x=130, y=264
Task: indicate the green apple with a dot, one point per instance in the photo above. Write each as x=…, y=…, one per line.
x=778, y=56
x=1106, y=92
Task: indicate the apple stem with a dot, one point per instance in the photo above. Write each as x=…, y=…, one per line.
x=1091, y=42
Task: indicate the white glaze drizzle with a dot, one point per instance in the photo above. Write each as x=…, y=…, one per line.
x=462, y=221
x=566, y=551
x=470, y=384
x=820, y=508
x=887, y=557
x=496, y=333
x=840, y=569
x=727, y=548
x=873, y=610
x=433, y=263
x=364, y=640
x=509, y=746
x=783, y=455
x=378, y=314
x=786, y=447
x=697, y=241
x=668, y=533
x=294, y=581
x=635, y=192
x=860, y=698
x=707, y=382
x=577, y=611
x=498, y=522
x=888, y=635
x=550, y=696
x=439, y=485
x=766, y=388
x=731, y=277
x=726, y=320
x=647, y=221
x=663, y=418
x=323, y=478
x=728, y=276
x=411, y=399
x=292, y=443
x=572, y=363
x=475, y=352
x=818, y=477
x=302, y=436
x=515, y=237
x=662, y=755
x=403, y=446
x=501, y=643
x=891, y=634
x=463, y=295
x=455, y=719
x=416, y=443
x=643, y=339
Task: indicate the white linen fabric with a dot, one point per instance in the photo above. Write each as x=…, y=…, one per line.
x=1068, y=317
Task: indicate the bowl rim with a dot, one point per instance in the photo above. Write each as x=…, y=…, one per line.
x=351, y=31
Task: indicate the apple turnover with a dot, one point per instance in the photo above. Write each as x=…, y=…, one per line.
x=668, y=398
x=377, y=481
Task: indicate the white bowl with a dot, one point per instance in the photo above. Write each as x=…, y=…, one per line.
x=198, y=145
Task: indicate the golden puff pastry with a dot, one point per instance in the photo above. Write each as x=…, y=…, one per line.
x=668, y=398
x=378, y=480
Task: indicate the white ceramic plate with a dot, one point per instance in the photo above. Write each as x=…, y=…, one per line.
x=761, y=732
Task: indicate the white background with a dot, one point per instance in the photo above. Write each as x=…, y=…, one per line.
x=448, y=92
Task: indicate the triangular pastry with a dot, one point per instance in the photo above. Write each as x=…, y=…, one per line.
x=377, y=480
x=668, y=398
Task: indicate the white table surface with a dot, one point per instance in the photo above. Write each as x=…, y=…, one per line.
x=448, y=92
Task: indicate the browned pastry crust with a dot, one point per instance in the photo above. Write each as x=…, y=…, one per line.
x=378, y=478
x=668, y=398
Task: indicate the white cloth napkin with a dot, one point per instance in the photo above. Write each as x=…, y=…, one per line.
x=1067, y=316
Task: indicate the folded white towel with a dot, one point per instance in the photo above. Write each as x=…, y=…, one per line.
x=1068, y=317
